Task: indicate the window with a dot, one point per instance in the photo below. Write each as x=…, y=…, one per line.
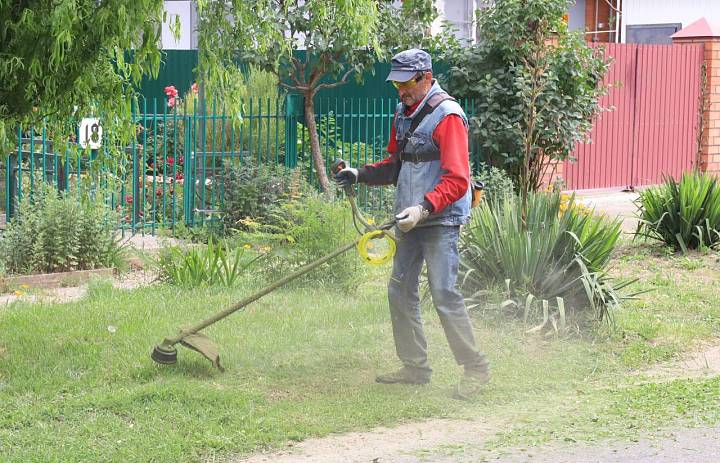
x=651, y=33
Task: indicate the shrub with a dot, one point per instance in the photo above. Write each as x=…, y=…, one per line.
x=55, y=232
x=164, y=146
x=255, y=193
x=534, y=101
x=684, y=214
x=498, y=185
x=557, y=260
x=311, y=226
x=201, y=233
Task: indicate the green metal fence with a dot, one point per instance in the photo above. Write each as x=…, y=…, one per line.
x=172, y=171
x=178, y=68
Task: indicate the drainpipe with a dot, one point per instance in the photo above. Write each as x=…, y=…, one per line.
x=595, y=23
x=618, y=28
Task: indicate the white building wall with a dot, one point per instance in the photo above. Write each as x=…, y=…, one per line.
x=184, y=11
x=458, y=12
x=638, y=12
x=576, y=20
x=461, y=14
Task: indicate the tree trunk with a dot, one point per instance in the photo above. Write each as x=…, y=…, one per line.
x=315, y=141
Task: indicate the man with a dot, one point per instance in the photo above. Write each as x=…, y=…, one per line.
x=429, y=164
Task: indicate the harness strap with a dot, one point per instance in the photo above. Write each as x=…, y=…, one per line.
x=430, y=105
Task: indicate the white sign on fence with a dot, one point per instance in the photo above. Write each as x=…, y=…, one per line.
x=90, y=133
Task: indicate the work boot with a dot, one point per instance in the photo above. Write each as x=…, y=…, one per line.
x=404, y=375
x=471, y=384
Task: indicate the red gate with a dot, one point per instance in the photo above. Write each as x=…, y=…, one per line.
x=652, y=129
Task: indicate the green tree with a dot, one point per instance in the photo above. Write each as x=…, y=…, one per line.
x=60, y=58
x=341, y=39
x=537, y=86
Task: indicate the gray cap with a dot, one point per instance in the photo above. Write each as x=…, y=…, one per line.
x=406, y=64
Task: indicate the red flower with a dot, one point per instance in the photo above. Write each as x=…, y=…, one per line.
x=158, y=192
x=128, y=199
x=181, y=161
x=127, y=218
x=179, y=176
x=194, y=88
x=170, y=160
x=171, y=91
x=171, y=102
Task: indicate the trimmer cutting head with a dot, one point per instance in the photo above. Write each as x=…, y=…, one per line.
x=166, y=355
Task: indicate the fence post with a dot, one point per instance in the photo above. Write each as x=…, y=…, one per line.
x=293, y=106
x=707, y=34
x=188, y=168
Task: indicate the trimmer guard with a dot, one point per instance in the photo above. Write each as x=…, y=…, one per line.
x=205, y=346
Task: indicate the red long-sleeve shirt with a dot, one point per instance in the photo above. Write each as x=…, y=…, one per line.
x=451, y=136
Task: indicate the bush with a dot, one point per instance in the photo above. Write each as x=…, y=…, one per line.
x=556, y=261
x=255, y=193
x=535, y=101
x=54, y=232
x=312, y=225
x=498, y=185
x=684, y=215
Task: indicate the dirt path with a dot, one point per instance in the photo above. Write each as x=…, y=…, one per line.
x=701, y=445
x=456, y=441
x=446, y=441
x=703, y=363
x=381, y=445
x=129, y=280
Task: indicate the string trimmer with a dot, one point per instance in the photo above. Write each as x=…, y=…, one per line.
x=166, y=353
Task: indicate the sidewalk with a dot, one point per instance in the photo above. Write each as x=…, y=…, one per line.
x=613, y=202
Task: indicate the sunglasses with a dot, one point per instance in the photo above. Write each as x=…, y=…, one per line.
x=410, y=83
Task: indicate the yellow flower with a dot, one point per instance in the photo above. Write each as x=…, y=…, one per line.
x=24, y=286
x=248, y=222
x=19, y=293
x=247, y=246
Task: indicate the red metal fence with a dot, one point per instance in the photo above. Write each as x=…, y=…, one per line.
x=652, y=129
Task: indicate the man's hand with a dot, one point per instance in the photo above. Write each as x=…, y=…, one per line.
x=346, y=177
x=407, y=219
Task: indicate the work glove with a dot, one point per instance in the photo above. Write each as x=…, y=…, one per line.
x=346, y=177
x=411, y=216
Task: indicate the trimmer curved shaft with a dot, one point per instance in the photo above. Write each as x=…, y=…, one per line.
x=166, y=353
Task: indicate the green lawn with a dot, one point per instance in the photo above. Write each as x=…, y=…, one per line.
x=77, y=382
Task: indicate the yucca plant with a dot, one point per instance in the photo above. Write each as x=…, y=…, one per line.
x=554, y=259
x=214, y=264
x=684, y=214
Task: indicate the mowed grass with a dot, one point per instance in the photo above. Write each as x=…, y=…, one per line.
x=77, y=382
